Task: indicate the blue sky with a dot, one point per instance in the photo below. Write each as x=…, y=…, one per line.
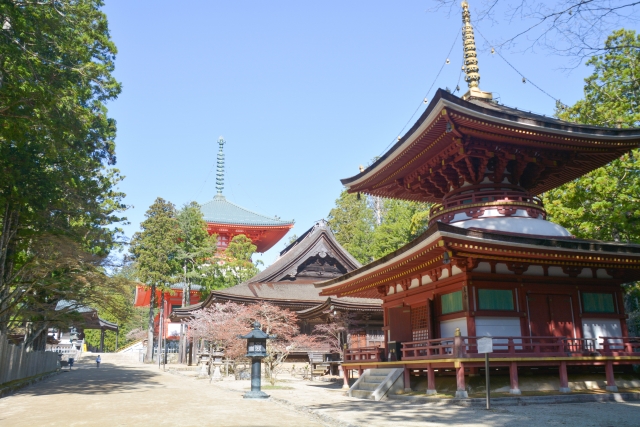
x=303, y=93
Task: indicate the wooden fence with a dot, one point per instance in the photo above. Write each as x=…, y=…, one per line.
x=17, y=363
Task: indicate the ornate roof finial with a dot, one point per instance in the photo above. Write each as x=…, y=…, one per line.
x=471, y=69
x=220, y=168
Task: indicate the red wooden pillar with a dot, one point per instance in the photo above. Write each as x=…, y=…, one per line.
x=360, y=372
x=345, y=376
x=431, y=379
x=611, y=381
x=564, y=378
x=461, y=391
x=407, y=379
x=513, y=376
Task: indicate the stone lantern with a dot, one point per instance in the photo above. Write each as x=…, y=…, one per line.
x=256, y=350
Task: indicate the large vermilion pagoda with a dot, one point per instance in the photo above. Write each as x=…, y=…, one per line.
x=490, y=263
x=226, y=220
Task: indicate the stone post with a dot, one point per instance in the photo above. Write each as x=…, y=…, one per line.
x=431, y=380
x=461, y=392
x=564, y=378
x=611, y=381
x=513, y=376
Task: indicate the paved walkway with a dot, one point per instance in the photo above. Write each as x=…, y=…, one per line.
x=131, y=394
x=123, y=393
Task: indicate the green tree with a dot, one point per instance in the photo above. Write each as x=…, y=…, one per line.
x=196, y=252
x=234, y=266
x=371, y=227
x=401, y=222
x=56, y=149
x=352, y=222
x=196, y=248
x=605, y=203
x=154, y=249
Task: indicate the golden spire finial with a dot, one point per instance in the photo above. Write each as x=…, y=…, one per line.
x=471, y=57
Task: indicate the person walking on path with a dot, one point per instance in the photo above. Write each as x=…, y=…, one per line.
x=98, y=360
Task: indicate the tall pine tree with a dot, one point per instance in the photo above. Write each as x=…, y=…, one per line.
x=154, y=249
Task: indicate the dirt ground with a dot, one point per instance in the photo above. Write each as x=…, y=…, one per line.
x=123, y=393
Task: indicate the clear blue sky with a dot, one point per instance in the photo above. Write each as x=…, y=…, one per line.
x=303, y=93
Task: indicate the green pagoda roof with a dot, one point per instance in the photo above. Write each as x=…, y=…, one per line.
x=221, y=211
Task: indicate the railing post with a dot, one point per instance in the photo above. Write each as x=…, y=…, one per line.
x=611, y=381
x=564, y=378
x=513, y=377
x=606, y=347
x=512, y=347
x=431, y=380
x=459, y=349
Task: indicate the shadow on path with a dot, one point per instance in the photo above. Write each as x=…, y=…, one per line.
x=85, y=378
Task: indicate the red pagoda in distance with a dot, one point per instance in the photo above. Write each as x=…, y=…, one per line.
x=228, y=220
x=490, y=264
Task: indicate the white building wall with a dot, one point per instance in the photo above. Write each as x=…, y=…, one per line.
x=596, y=328
x=499, y=327
x=448, y=327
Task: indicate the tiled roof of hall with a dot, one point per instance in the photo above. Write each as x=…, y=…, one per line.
x=221, y=211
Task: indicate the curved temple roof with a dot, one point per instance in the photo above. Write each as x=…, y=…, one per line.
x=221, y=211
x=456, y=137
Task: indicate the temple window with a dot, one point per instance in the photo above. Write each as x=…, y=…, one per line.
x=495, y=299
x=597, y=302
x=451, y=302
x=419, y=323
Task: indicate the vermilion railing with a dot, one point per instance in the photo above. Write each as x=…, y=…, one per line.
x=461, y=347
x=468, y=347
x=366, y=354
x=620, y=345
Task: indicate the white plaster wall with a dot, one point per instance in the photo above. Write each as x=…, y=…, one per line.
x=586, y=273
x=498, y=327
x=501, y=268
x=448, y=327
x=556, y=271
x=483, y=267
x=596, y=328
x=534, y=270
x=426, y=279
x=602, y=274
x=414, y=283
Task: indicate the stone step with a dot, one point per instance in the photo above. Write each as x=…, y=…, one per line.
x=368, y=386
x=374, y=378
x=361, y=394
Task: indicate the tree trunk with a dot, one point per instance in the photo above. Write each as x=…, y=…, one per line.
x=10, y=222
x=152, y=303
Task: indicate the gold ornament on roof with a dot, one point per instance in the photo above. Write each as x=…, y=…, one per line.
x=471, y=69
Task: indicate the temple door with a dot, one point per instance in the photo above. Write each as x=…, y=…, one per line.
x=561, y=315
x=550, y=315
x=400, y=324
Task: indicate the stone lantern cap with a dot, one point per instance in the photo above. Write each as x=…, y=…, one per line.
x=257, y=333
